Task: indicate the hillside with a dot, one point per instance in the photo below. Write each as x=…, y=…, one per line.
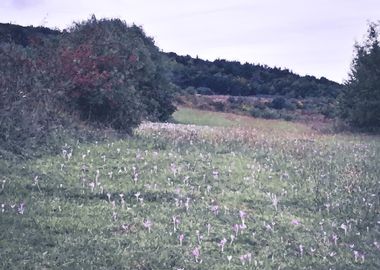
x=236, y=79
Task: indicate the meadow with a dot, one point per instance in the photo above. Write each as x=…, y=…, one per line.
x=209, y=191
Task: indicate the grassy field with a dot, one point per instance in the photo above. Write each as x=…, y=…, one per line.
x=213, y=191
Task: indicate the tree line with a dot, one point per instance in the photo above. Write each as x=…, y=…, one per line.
x=233, y=78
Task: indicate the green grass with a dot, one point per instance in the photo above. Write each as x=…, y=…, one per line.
x=202, y=118
x=324, y=183
x=218, y=119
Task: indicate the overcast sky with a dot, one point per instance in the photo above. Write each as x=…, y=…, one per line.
x=314, y=37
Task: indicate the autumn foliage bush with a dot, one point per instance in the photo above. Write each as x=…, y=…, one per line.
x=100, y=72
x=113, y=74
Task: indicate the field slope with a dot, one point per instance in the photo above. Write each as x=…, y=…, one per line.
x=213, y=191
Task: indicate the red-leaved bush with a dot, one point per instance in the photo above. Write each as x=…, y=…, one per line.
x=113, y=74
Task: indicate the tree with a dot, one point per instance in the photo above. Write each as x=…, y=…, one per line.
x=359, y=103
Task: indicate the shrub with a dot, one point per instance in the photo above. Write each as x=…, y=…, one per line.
x=236, y=103
x=190, y=90
x=219, y=106
x=270, y=114
x=328, y=110
x=255, y=112
x=204, y=91
x=290, y=105
x=113, y=74
x=278, y=103
x=299, y=104
x=287, y=117
x=265, y=113
x=27, y=106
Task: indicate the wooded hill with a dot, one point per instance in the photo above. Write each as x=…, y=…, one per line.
x=236, y=79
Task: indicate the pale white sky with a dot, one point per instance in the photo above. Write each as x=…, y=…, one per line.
x=314, y=37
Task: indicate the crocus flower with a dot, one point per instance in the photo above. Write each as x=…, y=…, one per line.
x=199, y=237
x=196, y=252
x=377, y=244
x=295, y=222
x=208, y=229
x=242, y=215
x=242, y=227
x=235, y=228
x=301, y=250
x=215, y=209
x=242, y=259
x=92, y=186
x=181, y=237
x=187, y=204
x=148, y=224
x=137, y=195
x=232, y=239
x=344, y=227
x=246, y=257
x=222, y=243
x=176, y=221
x=21, y=208
x=335, y=238
x=229, y=258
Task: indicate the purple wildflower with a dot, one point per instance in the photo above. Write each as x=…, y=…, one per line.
x=21, y=208
x=295, y=222
x=235, y=228
x=246, y=257
x=148, y=224
x=242, y=227
x=215, y=209
x=222, y=243
x=181, y=237
x=176, y=221
x=242, y=215
x=196, y=252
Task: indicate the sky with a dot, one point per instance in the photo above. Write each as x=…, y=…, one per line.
x=313, y=37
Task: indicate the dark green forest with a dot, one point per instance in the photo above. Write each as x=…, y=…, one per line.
x=233, y=78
